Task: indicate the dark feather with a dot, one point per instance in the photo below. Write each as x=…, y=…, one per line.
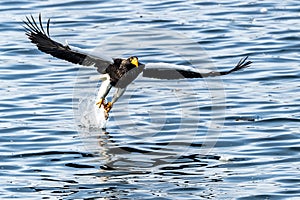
x=242, y=64
x=122, y=72
x=44, y=43
x=161, y=73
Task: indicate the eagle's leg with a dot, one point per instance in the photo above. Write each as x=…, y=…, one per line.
x=103, y=91
x=119, y=92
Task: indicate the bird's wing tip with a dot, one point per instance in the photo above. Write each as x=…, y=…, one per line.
x=32, y=27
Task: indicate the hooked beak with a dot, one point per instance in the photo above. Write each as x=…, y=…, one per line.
x=135, y=62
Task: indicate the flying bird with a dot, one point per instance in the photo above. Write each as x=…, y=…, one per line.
x=116, y=72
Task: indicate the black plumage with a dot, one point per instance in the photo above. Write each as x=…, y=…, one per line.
x=44, y=43
x=170, y=74
x=122, y=72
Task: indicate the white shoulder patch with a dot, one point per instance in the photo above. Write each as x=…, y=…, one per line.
x=91, y=53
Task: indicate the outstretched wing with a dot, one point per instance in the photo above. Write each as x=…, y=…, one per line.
x=162, y=73
x=37, y=34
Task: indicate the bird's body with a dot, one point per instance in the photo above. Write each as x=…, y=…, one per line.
x=118, y=69
x=117, y=72
x=122, y=72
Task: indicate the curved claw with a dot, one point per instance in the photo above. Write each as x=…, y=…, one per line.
x=108, y=107
x=100, y=102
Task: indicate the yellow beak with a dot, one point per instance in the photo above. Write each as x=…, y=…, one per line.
x=135, y=62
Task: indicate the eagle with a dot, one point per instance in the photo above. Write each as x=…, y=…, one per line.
x=116, y=72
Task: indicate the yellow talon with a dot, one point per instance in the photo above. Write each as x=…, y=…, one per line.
x=108, y=107
x=100, y=102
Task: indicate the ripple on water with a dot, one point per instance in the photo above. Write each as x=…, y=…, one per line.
x=165, y=139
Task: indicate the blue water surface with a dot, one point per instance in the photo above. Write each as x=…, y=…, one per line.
x=232, y=137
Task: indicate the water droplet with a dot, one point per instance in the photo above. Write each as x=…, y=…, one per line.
x=263, y=10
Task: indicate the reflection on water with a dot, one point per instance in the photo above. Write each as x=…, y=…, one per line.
x=230, y=138
x=156, y=170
